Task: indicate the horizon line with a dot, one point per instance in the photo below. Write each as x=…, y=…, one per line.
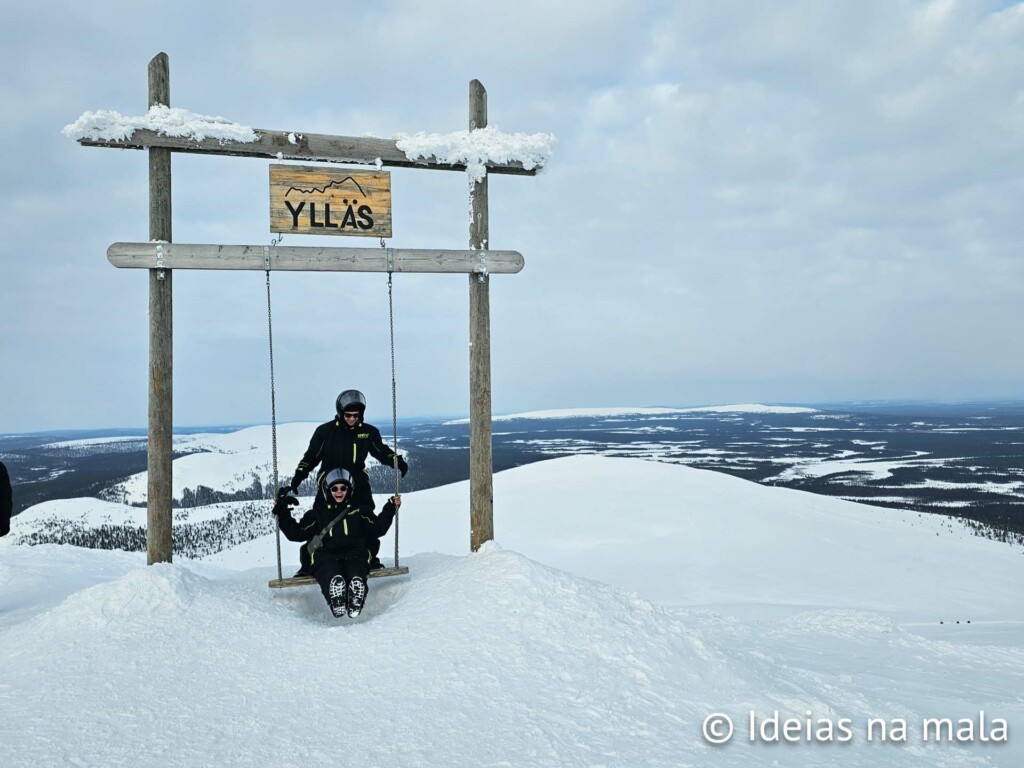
x=143, y=430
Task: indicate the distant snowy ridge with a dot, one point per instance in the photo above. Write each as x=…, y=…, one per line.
x=749, y=408
x=228, y=462
x=95, y=523
x=90, y=441
x=222, y=484
x=581, y=413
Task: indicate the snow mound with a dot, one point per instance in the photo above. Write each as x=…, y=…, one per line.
x=492, y=638
x=486, y=659
x=163, y=590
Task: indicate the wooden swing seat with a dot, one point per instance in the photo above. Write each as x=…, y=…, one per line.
x=302, y=581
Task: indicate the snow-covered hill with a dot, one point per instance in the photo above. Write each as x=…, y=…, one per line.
x=686, y=536
x=627, y=602
x=230, y=461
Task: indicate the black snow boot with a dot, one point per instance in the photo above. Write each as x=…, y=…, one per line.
x=356, y=595
x=336, y=596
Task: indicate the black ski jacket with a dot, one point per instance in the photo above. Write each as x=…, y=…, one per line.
x=349, y=538
x=6, y=501
x=336, y=444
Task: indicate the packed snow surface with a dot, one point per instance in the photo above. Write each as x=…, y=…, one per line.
x=628, y=602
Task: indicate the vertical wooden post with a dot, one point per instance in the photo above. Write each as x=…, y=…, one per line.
x=481, y=467
x=159, y=542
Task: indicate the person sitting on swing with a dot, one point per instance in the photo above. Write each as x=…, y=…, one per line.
x=345, y=442
x=337, y=536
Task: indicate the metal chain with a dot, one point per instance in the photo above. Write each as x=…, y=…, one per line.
x=273, y=395
x=394, y=390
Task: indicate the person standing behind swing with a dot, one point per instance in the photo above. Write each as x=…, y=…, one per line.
x=345, y=442
x=337, y=536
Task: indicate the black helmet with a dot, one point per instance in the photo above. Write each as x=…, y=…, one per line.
x=350, y=400
x=334, y=477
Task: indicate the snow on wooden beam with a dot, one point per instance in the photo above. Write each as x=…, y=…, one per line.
x=283, y=145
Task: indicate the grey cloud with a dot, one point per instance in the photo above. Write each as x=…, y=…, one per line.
x=805, y=201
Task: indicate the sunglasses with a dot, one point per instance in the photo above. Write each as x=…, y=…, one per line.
x=348, y=415
x=339, y=488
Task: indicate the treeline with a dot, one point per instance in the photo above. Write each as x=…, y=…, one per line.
x=190, y=539
x=235, y=526
x=994, y=522
x=997, y=529
x=202, y=496
x=127, y=537
x=381, y=481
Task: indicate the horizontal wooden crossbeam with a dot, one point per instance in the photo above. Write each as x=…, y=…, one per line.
x=311, y=259
x=307, y=146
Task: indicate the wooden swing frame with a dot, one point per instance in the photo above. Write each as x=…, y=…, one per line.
x=160, y=257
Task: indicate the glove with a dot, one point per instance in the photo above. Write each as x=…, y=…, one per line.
x=283, y=503
x=402, y=465
x=283, y=491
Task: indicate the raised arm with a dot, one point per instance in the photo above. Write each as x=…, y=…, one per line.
x=303, y=530
x=381, y=524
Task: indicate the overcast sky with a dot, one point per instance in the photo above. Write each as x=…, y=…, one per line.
x=797, y=201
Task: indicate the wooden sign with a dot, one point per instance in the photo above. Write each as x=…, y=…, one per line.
x=308, y=200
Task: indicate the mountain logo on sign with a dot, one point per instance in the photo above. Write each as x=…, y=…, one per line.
x=356, y=216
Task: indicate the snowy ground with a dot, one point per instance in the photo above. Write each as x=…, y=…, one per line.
x=626, y=603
